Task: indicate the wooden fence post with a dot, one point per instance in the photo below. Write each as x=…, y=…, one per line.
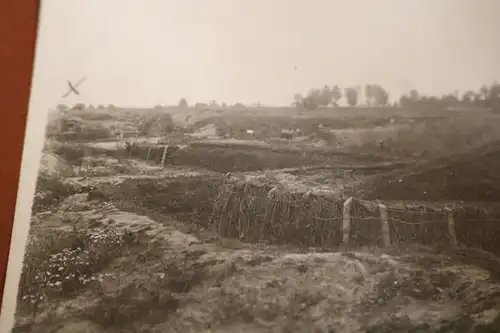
x=164, y=156
x=149, y=152
x=384, y=222
x=451, y=228
x=346, y=220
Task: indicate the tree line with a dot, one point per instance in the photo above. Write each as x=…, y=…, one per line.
x=487, y=96
x=375, y=95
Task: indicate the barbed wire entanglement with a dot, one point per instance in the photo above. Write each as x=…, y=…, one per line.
x=256, y=213
x=261, y=213
x=265, y=213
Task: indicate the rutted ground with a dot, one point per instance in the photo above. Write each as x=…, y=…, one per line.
x=138, y=274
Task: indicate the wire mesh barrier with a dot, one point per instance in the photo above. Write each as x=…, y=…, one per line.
x=396, y=224
x=479, y=227
x=157, y=154
x=259, y=213
x=255, y=214
x=153, y=153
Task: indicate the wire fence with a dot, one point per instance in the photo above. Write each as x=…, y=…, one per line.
x=259, y=213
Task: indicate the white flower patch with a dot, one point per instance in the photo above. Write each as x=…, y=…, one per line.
x=71, y=267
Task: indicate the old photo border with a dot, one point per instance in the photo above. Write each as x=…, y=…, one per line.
x=18, y=24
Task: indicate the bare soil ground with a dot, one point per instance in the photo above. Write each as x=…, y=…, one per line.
x=122, y=245
x=470, y=176
x=112, y=255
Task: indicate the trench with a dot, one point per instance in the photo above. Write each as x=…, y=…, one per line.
x=190, y=200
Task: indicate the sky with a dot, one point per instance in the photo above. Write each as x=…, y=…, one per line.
x=154, y=52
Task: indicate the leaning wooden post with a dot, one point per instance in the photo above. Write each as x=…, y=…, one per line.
x=451, y=227
x=384, y=223
x=149, y=152
x=164, y=156
x=346, y=220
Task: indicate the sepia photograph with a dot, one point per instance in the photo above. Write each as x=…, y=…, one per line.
x=275, y=166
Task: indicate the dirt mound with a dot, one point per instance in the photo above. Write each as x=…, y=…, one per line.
x=165, y=280
x=98, y=266
x=54, y=165
x=467, y=177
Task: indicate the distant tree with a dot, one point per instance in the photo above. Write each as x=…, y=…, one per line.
x=484, y=91
x=383, y=98
x=430, y=102
x=494, y=96
x=325, y=96
x=487, y=96
x=450, y=100
x=414, y=95
x=405, y=101
x=477, y=100
x=351, y=95
x=314, y=99
x=79, y=106
x=224, y=105
x=213, y=104
x=100, y=107
x=369, y=94
x=62, y=107
x=379, y=96
x=468, y=98
x=335, y=95
x=239, y=106
x=359, y=89
x=183, y=104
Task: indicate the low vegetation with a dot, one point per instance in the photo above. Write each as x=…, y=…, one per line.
x=124, y=246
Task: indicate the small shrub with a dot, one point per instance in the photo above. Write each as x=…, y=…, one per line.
x=73, y=154
x=60, y=265
x=49, y=192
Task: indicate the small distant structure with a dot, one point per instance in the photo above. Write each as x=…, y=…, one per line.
x=287, y=134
